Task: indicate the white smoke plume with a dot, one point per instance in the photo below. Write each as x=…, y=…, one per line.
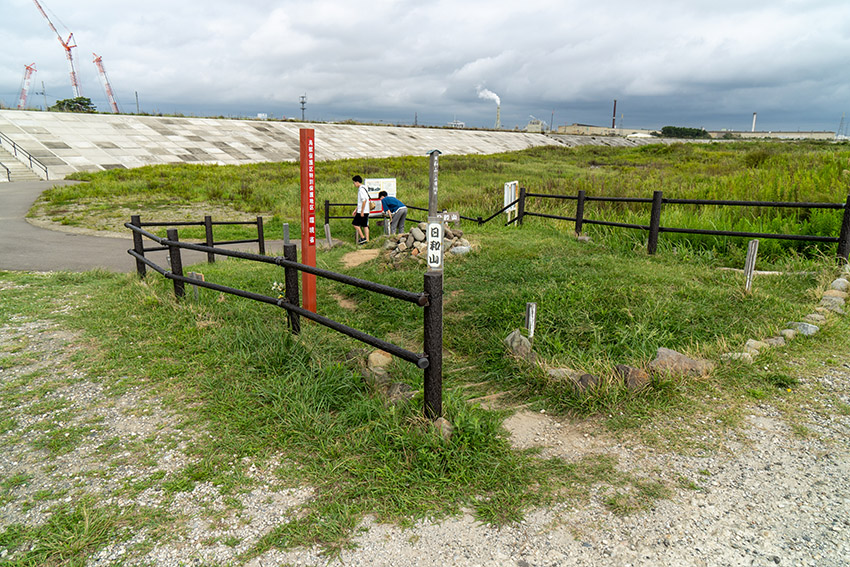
x=490, y=95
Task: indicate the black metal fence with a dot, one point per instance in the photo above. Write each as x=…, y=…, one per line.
x=208, y=225
x=657, y=201
x=431, y=299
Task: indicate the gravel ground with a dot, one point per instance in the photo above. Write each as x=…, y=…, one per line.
x=762, y=495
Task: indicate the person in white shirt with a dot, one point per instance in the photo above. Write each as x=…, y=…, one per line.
x=361, y=212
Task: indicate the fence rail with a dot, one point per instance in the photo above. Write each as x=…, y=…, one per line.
x=23, y=155
x=655, y=228
x=208, y=225
x=430, y=299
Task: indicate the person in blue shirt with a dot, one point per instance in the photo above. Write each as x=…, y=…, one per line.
x=397, y=210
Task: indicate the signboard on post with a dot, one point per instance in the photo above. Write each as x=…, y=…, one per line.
x=511, y=195
x=308, y=215
x=435, y=244
x=375, y=186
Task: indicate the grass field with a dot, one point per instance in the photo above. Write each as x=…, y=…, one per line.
x=300, y=406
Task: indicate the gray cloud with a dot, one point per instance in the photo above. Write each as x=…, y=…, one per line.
x=698, y=63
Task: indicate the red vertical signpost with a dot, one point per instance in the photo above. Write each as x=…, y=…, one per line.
x=308, y=216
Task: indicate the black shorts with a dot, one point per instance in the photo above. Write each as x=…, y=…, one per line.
x=361, y=220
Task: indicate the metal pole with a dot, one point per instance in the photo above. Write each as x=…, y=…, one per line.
x=138, y=246
x=844, y=235
x=290, y=280
x=433, y=174
x=654, y=222
x=208, y=230
x=520, y=206
x=433, y=319
x=580, y=212
x=261, y=240
x=750, y=264
x=176, y=263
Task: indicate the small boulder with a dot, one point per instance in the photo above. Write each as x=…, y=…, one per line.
x=805, y=329
x=633, y=378
x=775, y=341
x=753, y=346
x=417, y=234
x=460, y=250
x=742, y=356
x=814, y=318
x=444, y=427
x=449, y=233
x=840, y=284
x=379, y=359
x=834, y=304
x=562, y=374
x=788, y=334
x=586, y=382
x=672, y=362
x=835, y=293
x=519, y=345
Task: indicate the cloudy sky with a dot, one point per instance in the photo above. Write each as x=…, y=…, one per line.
x=705, y=64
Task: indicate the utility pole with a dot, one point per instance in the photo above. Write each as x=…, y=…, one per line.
x=303, y=105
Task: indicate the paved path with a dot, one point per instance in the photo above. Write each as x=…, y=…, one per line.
x=26, y=247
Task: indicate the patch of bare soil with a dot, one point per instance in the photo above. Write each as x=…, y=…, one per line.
x=359, y=257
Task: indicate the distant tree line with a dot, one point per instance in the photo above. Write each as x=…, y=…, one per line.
x=682, y=132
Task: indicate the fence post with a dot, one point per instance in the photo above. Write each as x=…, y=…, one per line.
x=327, y=211
x=138, y=246
x=176, y=263
x=521, y=206
x=844, y=235
x=654, y=222
x=208, y=229
x=290, y=280
x=434, y=344
x=580, y=212
x=261, y=239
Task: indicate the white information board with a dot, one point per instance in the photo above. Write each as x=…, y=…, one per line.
x=511, y=195
x=375, y=186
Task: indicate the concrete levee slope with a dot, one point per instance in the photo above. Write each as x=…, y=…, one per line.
x=69, y=142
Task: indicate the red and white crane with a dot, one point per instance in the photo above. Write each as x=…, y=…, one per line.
x=98, y=60
x=25, y=86
x=67, y=44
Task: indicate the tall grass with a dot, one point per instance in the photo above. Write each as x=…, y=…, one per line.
x=807, y=171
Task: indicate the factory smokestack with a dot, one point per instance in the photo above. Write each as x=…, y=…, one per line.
x=614, y=116
x=754, y=121
x=490, y=95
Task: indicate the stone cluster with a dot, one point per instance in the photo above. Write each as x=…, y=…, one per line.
x=414, y=244
x=832, y=302
x=666, y=362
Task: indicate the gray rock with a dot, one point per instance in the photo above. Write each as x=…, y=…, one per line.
x=519, y=345
x=460, y=250
x=834, y=304
x=423, y=226
x=806, y=329
x=409, y=241
x=417, y=234
x=586, y=382
x=379, y=359
x=669, y=361
x=563, y=374
x=633, y=378
x=788, y=334
x=753, y=346
x=835, y=293
x=775, y=341
x=402, y=246
x=840, y=284
x=814, y=318
x=584, y=239
x=445, y=428
x=389, y=245
x=449, y=233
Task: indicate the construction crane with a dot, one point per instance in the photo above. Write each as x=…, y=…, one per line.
x=67, y=45
x=98, y=60
x=25, y=86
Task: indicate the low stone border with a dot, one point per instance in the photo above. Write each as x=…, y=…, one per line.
x=414, y=244
x=668, y=361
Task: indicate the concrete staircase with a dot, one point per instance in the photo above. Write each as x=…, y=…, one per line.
x=18, y=171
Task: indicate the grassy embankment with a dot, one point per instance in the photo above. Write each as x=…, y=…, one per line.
x=231, y=366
